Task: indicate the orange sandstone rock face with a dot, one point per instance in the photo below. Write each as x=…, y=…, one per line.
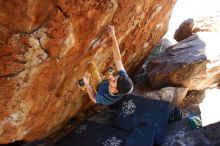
x=25, y=16
x=46, y=47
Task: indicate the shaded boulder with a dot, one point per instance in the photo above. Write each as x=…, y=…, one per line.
x=185, y=30
x=180, y=133
x=193, y=97
x=192, y=63
x=174, y=95
x=159, y=48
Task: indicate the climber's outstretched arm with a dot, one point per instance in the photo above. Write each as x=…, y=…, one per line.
x=115, y=49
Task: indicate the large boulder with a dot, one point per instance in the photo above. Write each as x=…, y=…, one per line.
x=174, y=95
x=46, y=47
x=192, y=63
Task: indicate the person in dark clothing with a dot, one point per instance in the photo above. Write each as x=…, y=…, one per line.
x=115, y=87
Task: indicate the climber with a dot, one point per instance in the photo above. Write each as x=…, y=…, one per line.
x=113, y=89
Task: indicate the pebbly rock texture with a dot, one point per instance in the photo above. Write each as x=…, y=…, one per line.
x=46, y=47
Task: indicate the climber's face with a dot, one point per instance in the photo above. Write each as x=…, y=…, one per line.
x=113, y=81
